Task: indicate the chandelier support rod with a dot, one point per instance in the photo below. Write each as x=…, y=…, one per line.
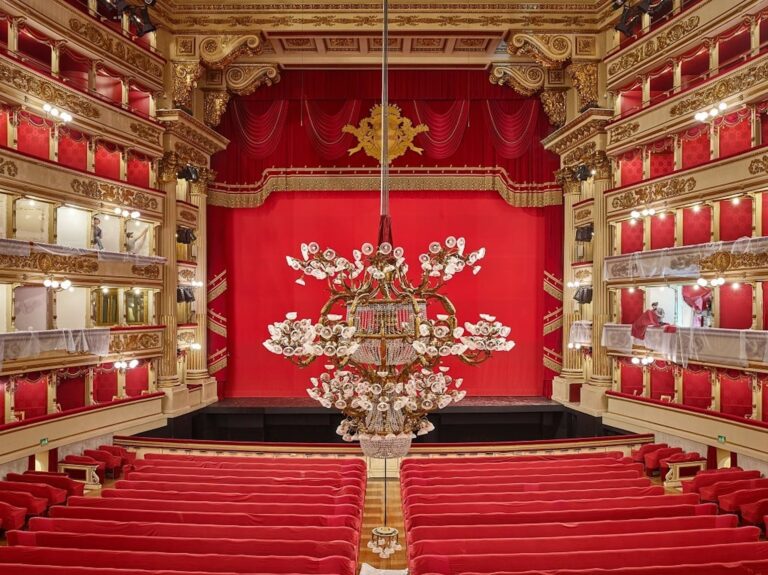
x=385, y=221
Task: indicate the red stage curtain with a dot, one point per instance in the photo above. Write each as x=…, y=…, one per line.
x=697, y=224
x=662, y=231
x=631, y=168
x=735, y=393
x=34, y=135
x=632, y=304
x=107, y=160
x=735, y=219
x=735, y=133
x=70, y=393
x=137, y=170
x=446, y=127
x=73, y=149
x=631, y=378
x=632, y=236
x=662, y=379
x=137, y=380
x=696, y=146
x=31, y=395
x=735, y=306
x=510, y=284
x=104, y=383
x=697, y=387
x=3, y=127
x=496, y=127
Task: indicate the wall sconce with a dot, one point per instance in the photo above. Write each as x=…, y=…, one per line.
x=128, y=214
x=58, y=285
x=56, y=114
x=711, y=114
x=122, y=365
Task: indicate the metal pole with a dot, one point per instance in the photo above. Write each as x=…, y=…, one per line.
x=385, y=113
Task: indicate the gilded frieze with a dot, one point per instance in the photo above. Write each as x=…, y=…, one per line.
x=188, y=216
x=758, y=166
x=621, y=133
x=584, y=78
x=582, y=214
x=147, y=133
x=189, y=155
x=187, y=275
x=554, y=104
x=50, y=92
x=8, y=168
x=114, y=194
x=654, y=192
x=722, y=89
x=655, y=45
x=579, y=153
x=50, y=263
x=120, y=49
x=150, y=272
x=214, y=106
x=724, y=261
x=122, y=342
x=185, y=77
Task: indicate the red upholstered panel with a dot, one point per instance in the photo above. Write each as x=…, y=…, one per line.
x=662, y=163
x=631, y=100
x=104, y=385
x=697, y=223
x=735, y=139
x=137, y=380
x=631, y=168
x=662, y=379
x=764, y=127
x=631, y=379
x=70, y=393
x=137, y=170
x=735, y=394
x=3, y=127
x=697, y=388
x=632, y=303
x=765, y=400
x=696, y=151
x=31, y=397
x=2, y=401
x=735, y=219
x=73, y=149
x=107, y=161
x=138, y=99
x=33, y=135
x=632, y=236
x=735, y=306
x=198, y=485
x=662, y=231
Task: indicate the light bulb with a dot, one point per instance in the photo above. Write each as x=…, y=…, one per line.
x=133, y=363
x=47, y=283
x=118, y=211
x=31, y=203
x=663, y=216
x=105, y=290
x=651, y=212
x=736, y=201
x=631, y=290
x=714, y=112
x=196, y=346
x=55, y=112
x=632, y=222
x=736, y=285
x=634, y=214
x=636, y=360
x=697, y=208
x=701, y=116
x=71, y=289
x=125, y=213
x=54, y=284
x=593, y=172
x=570, y=346
x=135, y=214
x=47, y=107
x=578, y=346
x=137, y=290
x=702, y=282
x=720, y=281
x=66, y=284
x=722, y=106
x=645, y=212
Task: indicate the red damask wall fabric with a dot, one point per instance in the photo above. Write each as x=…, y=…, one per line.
x=735, y=219
x=73, y=149
x=735, y=134
x=3, y=127
x=137, y=170
x=632, y=303
x=31, y=396
x=107, y=161
x=697, y=388
x=662, y=379
x=631, y=379
x=662, y=163
x=104, y=385
x=735, y=306
x=261, y=288
x=697, y=223
x=137, y=380
x=631, y=168
x=632, y=236
x=735, y=394
x=696, y=147
x=662, y=231
x=70, y=393
x=33, y=135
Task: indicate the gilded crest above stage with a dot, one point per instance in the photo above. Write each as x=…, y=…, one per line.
x=400, y=135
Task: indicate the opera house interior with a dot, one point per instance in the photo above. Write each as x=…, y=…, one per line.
x=383, y=287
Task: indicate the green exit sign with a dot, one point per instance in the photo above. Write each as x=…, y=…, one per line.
x=721, y=438
x=43, y=441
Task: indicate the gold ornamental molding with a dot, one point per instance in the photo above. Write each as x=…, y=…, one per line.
x=111, y=193
x=150, y=272
x=722, y=89
x=214, y=106
x=726, y=261
x=548, y=50
x=582, y=214
x=121, y=50
x=621, y=133
x=587, y=125
x=654, y=192
x=185, y=77
x=189, y=155
x=525, y=79
x=120, y=342
x=188, y=216
x=401, y=133
x=147, y=133
x=218, y=52
x=496, y=179
x=8, y=168
x=658, y=43
x=580, y=153
x=51, y=263
x=194, y=132
x=584, y=78
x=583, y=276
x=554, y=103
x=50, y=92
x=759, y=166
x=244, y=79
x=187, y=275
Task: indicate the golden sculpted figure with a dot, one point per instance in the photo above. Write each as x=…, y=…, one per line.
x=401, y=132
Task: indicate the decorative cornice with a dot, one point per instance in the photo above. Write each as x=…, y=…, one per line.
x=121, y=50
x=726, y=261
x=244, y=79
x=579, y=134
x=653, y=46
x=578, y=154
x=148, y=133
x=218, y=52
x=114, y=194
x=548, y=50
x=192, y=131
x=720, y=90
x=49, y=92
x=653, y=192
x=620, y=133
x=525, y=79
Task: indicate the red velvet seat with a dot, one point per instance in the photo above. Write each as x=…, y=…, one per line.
x=101, y=469
x=256, y=483
x=469, y=498
x=679, y=458
x=303, y=473
x=514, y=471
x=292, y=461
x=638, y=455
x=712, y=492
x=11, y=517
x=528, y=484
x=740, y=568
x=180, y=561
x=23, y=569
x=704, y=479
x=356, y=499
x=511, y=465
x=146, y=528
x=113, y=463
x=595, y=528
x=33, y=505
x=53, y=495
x=612, y=559
x=520, y=478
x=732, y=502
x=61, y=480
x=238, y=488
x=126, y=457
x=426, y=462
x=754, y=513
x=652, y=460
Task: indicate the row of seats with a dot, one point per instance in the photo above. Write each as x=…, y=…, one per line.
x=109, y=461
x=32, y=493
x=657, y=457
x=575, y=515
x=200, y=514
x=735, y=490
